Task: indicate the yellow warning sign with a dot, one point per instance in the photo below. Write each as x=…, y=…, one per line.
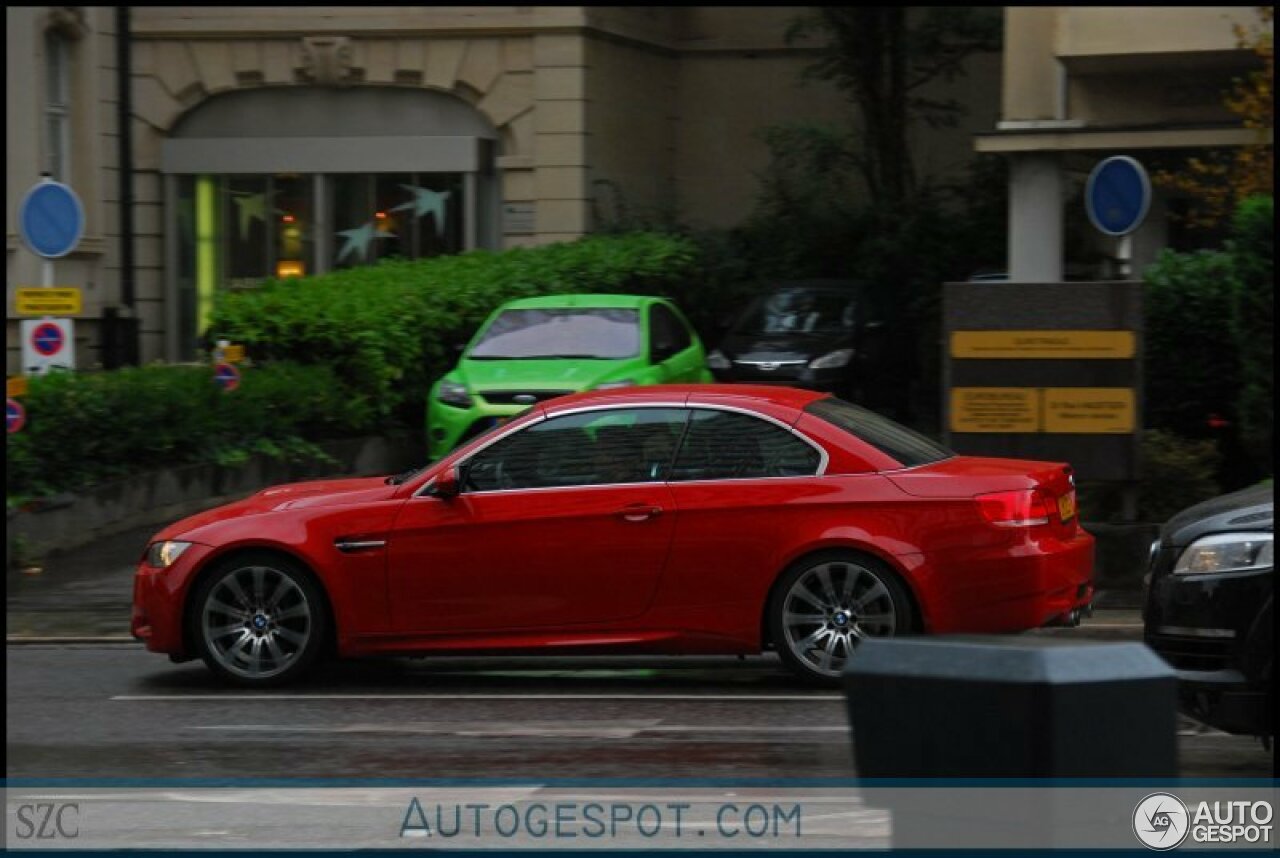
x=1047, y=345
x=16, y=386
x=49, y=301
x=995, y=409
x=1089, y=410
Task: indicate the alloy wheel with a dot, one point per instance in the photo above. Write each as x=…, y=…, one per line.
x=832, y=607
x=256, y=622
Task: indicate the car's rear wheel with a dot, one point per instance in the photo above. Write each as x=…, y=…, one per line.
x=827, y=604
x=258, y=620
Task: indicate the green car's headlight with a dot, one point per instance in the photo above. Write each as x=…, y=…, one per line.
x=162, y=555
x=1227, y=552
x=453, y=393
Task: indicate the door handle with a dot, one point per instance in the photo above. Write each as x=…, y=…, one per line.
x=639, y=512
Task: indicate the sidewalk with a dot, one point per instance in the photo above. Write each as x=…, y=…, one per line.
x=87, y=593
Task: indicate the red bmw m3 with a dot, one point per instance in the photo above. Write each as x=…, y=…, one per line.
x=694, y=519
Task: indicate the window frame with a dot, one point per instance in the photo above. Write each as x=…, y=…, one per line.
x=824, y=457
x=57, y=104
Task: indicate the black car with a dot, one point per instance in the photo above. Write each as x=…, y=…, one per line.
x=1209, y=608
x=818, y=334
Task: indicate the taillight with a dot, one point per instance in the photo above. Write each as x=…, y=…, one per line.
x=1020, y=508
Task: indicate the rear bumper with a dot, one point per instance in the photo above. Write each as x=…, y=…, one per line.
x=1013, y=588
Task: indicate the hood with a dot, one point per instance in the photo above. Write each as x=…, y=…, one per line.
x=1248, y=509
x=570, y=374
x=783, y=346
x=313, y=493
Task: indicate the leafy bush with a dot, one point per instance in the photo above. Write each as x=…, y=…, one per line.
x=386, y=329
x=1253, y=253
x=84, y=428
x=1176, y=473
x=1191, y=364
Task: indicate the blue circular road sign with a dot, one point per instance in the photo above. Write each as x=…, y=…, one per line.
x=227, y=377
x=46, y=339
x=1117, y=195
x=51, y=219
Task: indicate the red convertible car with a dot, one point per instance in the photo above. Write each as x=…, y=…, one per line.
x=682, y=519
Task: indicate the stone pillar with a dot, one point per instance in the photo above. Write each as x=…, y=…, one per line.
x=1035, y=217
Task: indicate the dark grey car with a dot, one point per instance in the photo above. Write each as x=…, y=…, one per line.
x=1209, y=608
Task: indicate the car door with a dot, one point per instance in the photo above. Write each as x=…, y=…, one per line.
x=673, y=348
x=730, y=485
x=564, y=522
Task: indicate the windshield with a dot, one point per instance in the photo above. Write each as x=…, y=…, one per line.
x=578, y=332
x=799, y=311
x=906, y=445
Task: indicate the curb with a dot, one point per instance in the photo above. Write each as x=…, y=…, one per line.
x=11, y=640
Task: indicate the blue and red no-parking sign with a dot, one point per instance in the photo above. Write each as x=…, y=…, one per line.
x=47, y=339
x=15, y=416
x=227, y=377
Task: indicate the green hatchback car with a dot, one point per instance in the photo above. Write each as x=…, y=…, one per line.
x=539, y=348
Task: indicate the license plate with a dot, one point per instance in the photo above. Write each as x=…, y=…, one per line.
x=1067, y=506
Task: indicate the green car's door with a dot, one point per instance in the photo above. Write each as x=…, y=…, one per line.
x=675, y=352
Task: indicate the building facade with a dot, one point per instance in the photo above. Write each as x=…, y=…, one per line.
x=1084, y=83
x=275, y=141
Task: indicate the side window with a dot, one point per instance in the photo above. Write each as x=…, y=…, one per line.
x=722, y=445
x=668, y=335
x=591, y=448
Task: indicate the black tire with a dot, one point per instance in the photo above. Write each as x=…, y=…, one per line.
x=272, y=639
x=854, y=576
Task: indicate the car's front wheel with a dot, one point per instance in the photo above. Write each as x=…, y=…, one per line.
x=258, y=620
x=827, y=604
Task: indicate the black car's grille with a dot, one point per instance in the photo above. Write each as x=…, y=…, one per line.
x=1186, y=653
x=509, y=397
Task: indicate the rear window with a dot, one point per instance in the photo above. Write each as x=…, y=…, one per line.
x=580, y=332
x=906, y=445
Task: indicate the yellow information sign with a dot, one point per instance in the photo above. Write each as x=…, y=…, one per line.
x=49, y=301
x=995, y=409
x=1046, y=345
x=1089, y=410
x=233, y=354
x=16, y=386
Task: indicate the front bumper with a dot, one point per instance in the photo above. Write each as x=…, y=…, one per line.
x=448, y=426
x=159, y=596
x=798, y=375
x=1217, y=632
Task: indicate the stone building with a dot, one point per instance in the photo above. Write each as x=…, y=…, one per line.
x=1084, y=83
x=293, y=140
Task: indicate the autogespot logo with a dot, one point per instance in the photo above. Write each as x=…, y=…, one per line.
x=1160, y=821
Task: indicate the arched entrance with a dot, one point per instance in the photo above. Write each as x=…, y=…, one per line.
x=287, y=181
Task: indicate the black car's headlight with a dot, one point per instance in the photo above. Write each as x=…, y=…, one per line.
x=717, y=360
x=162, y=555
x=453, y=393
x=832, y=360
x=1227, y=552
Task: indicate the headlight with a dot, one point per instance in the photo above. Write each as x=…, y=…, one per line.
x=453, y=393
x=162, y=555
x=832, y=360
x=717, y=360
x=608, y=385
x=1227, y=552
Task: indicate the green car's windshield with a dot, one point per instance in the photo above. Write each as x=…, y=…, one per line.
x=580, y=332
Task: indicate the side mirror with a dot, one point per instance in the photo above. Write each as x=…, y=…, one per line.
x=447, y=484
x=458, y=348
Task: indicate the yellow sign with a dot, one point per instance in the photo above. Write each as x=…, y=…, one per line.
x=1046, y=345
x=995, y=409
x=49, y=301
x=1088, y=410
x=233, y=354
x=16, y=386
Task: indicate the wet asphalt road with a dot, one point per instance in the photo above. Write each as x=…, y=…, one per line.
x=118, y=711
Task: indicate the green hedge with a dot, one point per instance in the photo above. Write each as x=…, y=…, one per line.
x=85, y=428
x=387, y=329
x=1253, y=251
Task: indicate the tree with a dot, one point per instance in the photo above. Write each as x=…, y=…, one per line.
x=883, y=58
x=1219, y=180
